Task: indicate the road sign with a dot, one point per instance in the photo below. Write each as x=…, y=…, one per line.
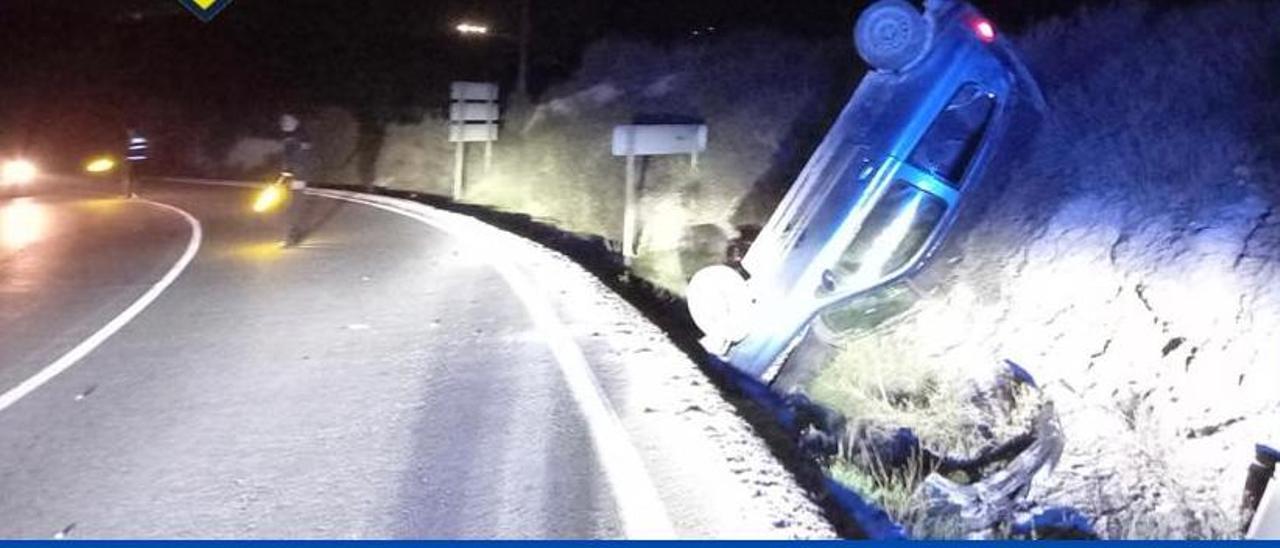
x=474, y=112
x=637, y=141
x=206, y=10
x=658, y=140
x=473, y=133
x=139, y=148
x=473, y=91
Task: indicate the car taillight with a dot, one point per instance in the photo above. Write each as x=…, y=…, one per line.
x=984, y=29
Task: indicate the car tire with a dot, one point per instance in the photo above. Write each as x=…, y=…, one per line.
x=891, y=34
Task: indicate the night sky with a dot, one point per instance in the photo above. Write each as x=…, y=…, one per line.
x=74, y=73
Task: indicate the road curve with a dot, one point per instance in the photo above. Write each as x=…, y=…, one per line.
x=383, y=380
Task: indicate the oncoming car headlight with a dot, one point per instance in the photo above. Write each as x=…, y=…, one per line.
x=18, y=172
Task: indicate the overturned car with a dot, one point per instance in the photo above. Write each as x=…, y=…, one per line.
x=881, y=191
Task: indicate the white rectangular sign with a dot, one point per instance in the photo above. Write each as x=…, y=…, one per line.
x=657, y=140
x=472, y=133
x=473, y=91
x=474, y=112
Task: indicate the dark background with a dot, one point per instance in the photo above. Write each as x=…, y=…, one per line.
x=74, y=74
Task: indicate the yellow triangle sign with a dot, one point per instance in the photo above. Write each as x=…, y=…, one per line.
x=206, y=10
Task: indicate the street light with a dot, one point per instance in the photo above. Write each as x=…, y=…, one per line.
x=526, y=33
x=471, y=28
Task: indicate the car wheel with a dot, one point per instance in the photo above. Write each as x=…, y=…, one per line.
x=891, y=34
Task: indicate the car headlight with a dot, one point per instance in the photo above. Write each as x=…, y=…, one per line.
x=102, y=164
x=18, y=172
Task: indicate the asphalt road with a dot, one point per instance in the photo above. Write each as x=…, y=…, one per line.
x=374, y=382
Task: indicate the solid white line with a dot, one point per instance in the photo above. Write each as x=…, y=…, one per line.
x=68, y=360
x=213, y=182
x=641, y=510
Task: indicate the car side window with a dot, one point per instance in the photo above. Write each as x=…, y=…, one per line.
x=894, y=232
x=953, y=139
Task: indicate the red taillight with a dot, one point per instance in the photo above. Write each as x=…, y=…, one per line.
x=984, y=29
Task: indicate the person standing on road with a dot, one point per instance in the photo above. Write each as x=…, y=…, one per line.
x=295, y=147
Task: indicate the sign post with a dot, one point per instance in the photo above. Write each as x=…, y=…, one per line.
x=637, y=141
x=630, y=214
x=474, y=114
x=459, y=163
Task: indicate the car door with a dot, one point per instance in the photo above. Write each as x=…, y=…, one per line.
x=917, y=199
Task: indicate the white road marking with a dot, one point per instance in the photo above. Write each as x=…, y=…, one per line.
x=641, y=510
x=72, y=357
x=213, y=182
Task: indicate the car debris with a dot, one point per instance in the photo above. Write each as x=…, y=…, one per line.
x=980, y=507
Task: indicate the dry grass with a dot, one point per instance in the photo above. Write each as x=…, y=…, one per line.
x=893, y=490
x=889, y=489
x=952, y=413
x=416, y=157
